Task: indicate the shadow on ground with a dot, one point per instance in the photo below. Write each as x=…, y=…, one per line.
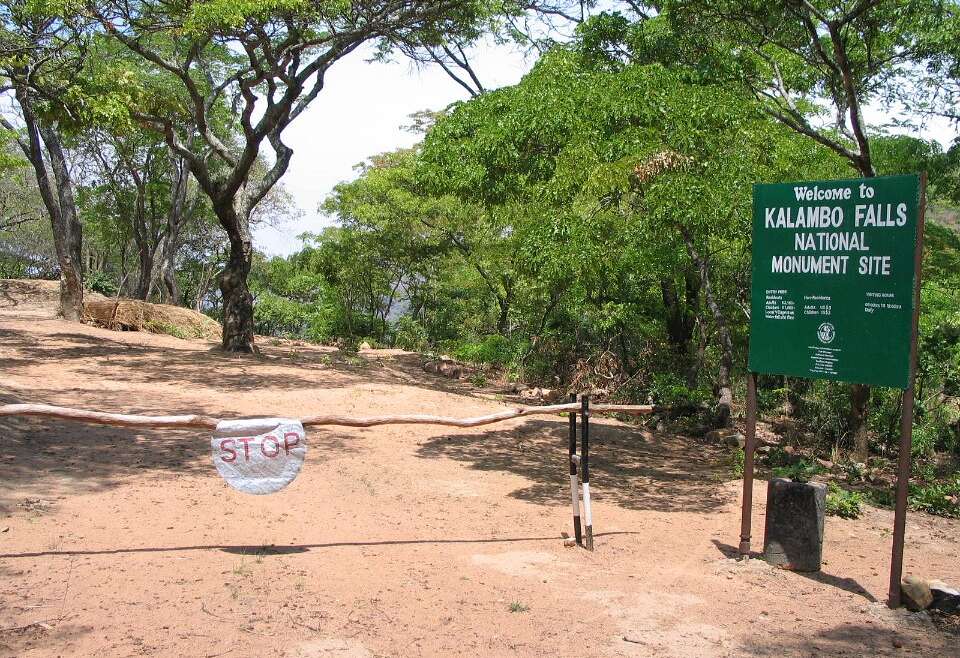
x=627, y=467
x=42, y=458
x=261, y=550
x=842, y=640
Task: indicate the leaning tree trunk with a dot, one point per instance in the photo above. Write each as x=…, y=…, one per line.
x=237, y=300
x=59, y=203
x=67, y=230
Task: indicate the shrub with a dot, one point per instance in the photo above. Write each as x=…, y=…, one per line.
x=802, y=471
x=843, y=503
x=100, y=282
x=493, y=349
x=941, y=498
x=737, y=457
x=411, y=335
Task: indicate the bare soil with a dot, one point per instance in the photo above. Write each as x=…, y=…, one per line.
x=393, y=541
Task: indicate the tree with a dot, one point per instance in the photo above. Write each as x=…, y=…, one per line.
x=38, y=59
x=803, y=58
x=269, y=60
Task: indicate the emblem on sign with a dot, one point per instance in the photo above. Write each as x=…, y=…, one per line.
x=261, y=455
x=826, y=333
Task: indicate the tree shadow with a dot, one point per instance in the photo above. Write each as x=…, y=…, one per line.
x=847, y=640
x=283, y=367
x=60, y=457
x=628, y=466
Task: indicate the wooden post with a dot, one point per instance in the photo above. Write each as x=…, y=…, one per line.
x=749, y=448
x=585, y=467
x=574, y=485
x=906, y=419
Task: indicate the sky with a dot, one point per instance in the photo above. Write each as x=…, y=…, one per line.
x=362, y=110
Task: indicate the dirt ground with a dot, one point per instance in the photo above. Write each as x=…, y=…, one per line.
x=393, y=541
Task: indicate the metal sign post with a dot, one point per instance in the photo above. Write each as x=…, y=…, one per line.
x=836, y=295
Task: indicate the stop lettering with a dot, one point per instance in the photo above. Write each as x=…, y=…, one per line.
x=259, y=456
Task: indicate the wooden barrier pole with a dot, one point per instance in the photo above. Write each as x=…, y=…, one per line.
x=749, y=448
x=585, y=467
x=126, y=420
x=574, y=485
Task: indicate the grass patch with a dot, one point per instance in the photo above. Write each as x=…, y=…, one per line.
x=517, y=606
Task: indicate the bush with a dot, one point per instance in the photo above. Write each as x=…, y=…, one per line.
x=737, y=457
x=942, y=498
x=843, y=503
x=101, y=282
x=411, y=335
x=802, y=471
x=669, y=390
x=493, y=349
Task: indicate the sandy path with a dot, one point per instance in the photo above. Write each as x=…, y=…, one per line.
x=395, y=541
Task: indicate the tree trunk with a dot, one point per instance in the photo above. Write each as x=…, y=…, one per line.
x=67, y=230
x=237, y=300
x=793, y=404
x=859, y=408
x=724, y=385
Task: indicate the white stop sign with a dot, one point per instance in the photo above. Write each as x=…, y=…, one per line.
x=260, y=455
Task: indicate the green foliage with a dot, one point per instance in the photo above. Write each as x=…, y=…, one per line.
x=942, y=499
x=493, y=349
x=101, y=282
x=801, y=471
x=410, y=335
x=843, y=503
x=737, y=457
x=158, y=327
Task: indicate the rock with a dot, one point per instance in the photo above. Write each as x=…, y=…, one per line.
x=825, y=463
x=737, y=440
x=569, y=543
x=716, y=436
x=945, y=598
x=451, y=370
x=365, y=345
x=550, y=394
x=565, y=534
x=915, y=593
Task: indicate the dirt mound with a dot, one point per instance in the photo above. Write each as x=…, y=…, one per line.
x=135, y=315
x=35, y=297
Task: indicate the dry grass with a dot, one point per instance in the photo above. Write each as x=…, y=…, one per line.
x=135, y=315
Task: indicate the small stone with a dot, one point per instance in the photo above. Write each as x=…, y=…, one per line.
x=569, y=543
x=565, y=534
x=6, y=528
x=916, y=593
x=897, y=643
x=825, y=463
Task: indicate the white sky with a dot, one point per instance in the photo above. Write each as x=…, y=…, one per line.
x=361, y=111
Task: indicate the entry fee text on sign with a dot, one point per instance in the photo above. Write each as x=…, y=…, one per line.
x=260, y=455
x=833, y=279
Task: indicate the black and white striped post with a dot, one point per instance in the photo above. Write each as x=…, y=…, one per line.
x=574, y=484
x=585, y=466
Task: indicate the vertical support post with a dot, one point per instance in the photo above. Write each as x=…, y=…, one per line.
x=574, y=484
x=749, y=448
x=906, y=418
x=585, y=467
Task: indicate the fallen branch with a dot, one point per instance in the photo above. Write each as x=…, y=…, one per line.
x=206, y=422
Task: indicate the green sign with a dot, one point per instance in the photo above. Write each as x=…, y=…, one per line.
x=833, y=279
